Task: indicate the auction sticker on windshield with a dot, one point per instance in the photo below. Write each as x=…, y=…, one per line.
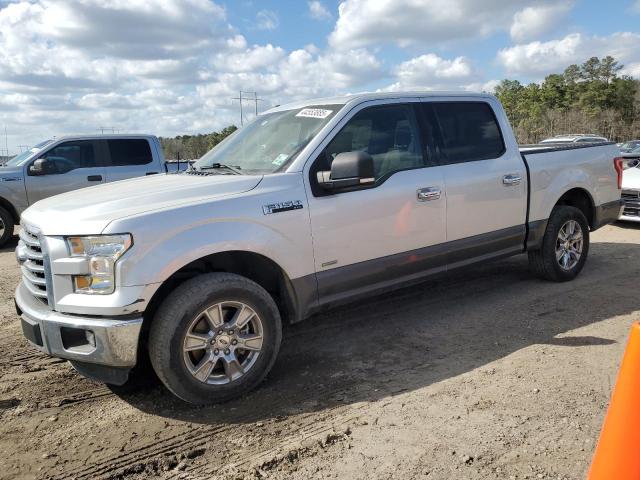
x=280, y=159
x=314, y=113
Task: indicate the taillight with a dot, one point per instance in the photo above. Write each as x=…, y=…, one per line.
x=618, y=164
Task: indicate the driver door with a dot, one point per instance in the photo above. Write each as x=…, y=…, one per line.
x=68, y=166
x=370, y=238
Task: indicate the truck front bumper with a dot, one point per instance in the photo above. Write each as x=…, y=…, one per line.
x=631, y=212
x=110, y=342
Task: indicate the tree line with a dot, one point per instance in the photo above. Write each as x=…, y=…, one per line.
x=191, y=147
x=587, y=98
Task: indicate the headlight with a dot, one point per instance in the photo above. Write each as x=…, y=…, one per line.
x=102, y=252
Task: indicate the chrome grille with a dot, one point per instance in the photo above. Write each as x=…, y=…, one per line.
x=33, y=268
x=631, y=194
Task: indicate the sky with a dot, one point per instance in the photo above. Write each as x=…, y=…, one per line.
x=173, y=67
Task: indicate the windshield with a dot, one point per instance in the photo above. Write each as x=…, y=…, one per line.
x=18, y=159
x=629, y=145
x=269, y=143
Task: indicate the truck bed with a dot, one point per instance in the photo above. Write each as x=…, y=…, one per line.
x=556, y=147
x=550, y=168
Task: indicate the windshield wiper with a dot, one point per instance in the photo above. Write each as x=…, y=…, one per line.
x=235, y=169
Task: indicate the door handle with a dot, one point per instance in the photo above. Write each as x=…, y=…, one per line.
x=94, y=178
x=511, y=179
x=428, y=193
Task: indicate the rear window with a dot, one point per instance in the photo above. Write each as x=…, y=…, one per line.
x=469, y=131
x=128, y=152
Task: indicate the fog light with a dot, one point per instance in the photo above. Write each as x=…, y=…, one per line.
x=82, y=283
x=91, y=338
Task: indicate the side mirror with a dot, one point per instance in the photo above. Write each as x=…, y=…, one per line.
x=348, y=169
x=38, y=167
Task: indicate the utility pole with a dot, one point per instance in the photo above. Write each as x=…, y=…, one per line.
x=240, y=98
x=255, y=99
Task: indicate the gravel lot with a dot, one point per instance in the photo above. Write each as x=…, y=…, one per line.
x=486, y=374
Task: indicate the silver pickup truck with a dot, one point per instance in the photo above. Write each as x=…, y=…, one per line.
x=72, y=162
x=311, y=205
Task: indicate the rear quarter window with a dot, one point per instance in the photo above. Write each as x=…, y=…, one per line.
x=469, y=132
x=127, y=152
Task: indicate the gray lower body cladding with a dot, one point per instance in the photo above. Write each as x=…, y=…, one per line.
x=350, y=282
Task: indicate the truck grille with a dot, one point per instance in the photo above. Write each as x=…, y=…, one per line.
x=33, y=269
x=631, y=203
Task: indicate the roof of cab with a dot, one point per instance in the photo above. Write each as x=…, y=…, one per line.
x=369, y=96
x=105, y=136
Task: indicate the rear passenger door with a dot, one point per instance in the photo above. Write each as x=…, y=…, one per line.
x=128, y=158
x=485, y=182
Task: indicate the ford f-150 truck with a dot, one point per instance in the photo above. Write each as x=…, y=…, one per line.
x=73, y=162
x=311, y=205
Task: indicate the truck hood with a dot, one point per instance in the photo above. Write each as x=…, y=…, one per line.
x=10, y=174
x=90, y=210
x=631, y=179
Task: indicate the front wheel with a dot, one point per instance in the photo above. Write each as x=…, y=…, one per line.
x=6, y=226
x=215, y=338
x=565, y=246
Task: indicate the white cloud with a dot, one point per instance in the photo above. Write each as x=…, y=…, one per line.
x=97, y=69
x=301, y=74
x=431, y=72
x=267, y=20
x=318, y=11
x=405, y=22
x=537, y=59
x=537, y=20
x=250, y=59
x=488, y=86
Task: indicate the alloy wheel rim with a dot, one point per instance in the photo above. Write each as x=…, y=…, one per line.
x=222, y=343
x=569, y=245
x=2, y=228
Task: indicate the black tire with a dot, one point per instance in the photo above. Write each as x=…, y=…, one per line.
x=172, y=321
x=6, y=220
x=542, y=262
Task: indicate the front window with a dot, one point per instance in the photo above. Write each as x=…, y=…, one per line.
x=388, y=133
x=19, y=159
x=269, y=143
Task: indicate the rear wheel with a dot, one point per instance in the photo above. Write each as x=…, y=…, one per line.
x=6, y=226
x=565, y=246
x=215, y=338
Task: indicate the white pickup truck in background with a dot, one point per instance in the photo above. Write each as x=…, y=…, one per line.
x=311, y=205
x=70, y=163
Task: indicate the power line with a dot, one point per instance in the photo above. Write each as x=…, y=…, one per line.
x=255, y=99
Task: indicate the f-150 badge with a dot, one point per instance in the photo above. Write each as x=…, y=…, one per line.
x=281, y=207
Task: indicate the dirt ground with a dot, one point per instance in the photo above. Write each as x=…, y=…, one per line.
x=486, y=374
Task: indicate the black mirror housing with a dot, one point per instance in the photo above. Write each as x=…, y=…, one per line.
x=348, y=169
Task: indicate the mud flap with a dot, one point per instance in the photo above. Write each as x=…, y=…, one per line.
x=102, y=373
